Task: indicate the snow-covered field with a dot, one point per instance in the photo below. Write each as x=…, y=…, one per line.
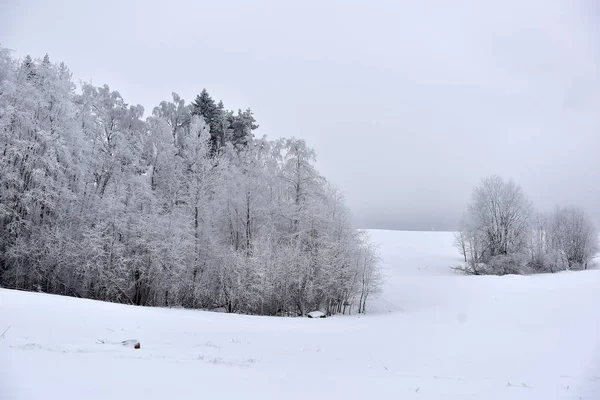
x=431, y=335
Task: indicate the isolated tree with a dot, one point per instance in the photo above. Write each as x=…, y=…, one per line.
x=501, y=235
x=497, y=223
x=573, y=237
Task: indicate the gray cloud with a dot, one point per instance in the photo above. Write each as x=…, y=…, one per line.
x=408, y=105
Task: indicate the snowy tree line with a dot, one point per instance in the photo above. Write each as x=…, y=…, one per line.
x=501, y=234
x=183, y=208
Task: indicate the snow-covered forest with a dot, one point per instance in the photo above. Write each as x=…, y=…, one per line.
x=183, y=208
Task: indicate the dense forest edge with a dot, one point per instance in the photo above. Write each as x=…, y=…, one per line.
x=184, y=208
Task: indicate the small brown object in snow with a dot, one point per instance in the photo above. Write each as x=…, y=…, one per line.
x=137, y=346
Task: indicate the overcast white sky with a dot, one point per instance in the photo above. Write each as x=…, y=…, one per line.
x=407, y=103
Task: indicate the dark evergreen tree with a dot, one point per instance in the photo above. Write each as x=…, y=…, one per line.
x=28, y=67
x=242, y=126
x=224, y=125
x=223, y=128
x=205, y=106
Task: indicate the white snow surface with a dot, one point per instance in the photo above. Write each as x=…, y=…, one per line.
x=432, y=334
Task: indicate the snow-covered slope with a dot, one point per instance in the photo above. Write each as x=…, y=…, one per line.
x=430, y=335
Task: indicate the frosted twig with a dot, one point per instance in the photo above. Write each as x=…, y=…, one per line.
x=6, y=330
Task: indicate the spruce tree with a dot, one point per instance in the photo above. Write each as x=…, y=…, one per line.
x=29, y=67
x=205, y=106
x=242, y=126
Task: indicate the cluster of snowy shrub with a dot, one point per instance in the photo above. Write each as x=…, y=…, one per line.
x=501, y=234
x=183, y=208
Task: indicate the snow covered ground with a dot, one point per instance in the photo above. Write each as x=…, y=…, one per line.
x=431, y=335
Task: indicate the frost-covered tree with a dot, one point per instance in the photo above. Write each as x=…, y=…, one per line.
x=572, y=237
x=176, y=115
x=500, y=234
x=496, y=227
x=542, y=255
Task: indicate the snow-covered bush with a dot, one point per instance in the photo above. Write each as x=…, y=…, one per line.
x=500, y=234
